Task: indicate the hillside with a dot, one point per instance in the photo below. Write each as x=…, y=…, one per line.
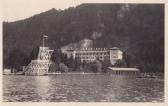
x=138, y=29
x=85, y=43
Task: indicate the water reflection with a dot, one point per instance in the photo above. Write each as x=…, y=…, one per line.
x=82, y=88
x=42, y=86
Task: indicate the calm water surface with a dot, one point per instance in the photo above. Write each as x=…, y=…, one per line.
x=81, y=88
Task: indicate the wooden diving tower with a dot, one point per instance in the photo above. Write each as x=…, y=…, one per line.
x=41, y=65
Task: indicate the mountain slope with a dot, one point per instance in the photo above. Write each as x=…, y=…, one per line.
x=85, y=43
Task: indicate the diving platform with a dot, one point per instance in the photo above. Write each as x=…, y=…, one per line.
x=41, y=65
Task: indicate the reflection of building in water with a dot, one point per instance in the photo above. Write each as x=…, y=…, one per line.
x=91, y=54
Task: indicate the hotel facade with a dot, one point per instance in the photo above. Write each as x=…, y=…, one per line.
x=91, y=54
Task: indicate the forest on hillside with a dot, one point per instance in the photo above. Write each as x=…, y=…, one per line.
x=138, y=29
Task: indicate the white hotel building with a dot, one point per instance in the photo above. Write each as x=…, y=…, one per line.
x=91, y=54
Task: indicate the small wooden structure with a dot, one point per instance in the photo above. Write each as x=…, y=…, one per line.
x=123, y=71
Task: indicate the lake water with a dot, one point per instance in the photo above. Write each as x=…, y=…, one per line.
x=81, y=88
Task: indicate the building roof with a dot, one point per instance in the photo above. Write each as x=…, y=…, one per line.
x=123, y=69
x=115, y=48
x=92, y=49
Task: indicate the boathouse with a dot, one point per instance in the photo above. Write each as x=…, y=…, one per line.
x=123, y=71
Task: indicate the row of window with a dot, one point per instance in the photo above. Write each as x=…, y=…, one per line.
x=86, y=57
x=92, y=58
x=107, y=53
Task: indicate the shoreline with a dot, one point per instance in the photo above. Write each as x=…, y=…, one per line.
x=55, y=73
x=81, y=73
x=73, y=73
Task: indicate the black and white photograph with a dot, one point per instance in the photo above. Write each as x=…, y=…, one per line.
x=83, y=52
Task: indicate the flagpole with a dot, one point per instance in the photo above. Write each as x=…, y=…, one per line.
x=44, y=36
x=43, y=41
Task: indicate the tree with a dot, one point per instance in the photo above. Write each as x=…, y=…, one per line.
x=54, y=67
x=105, y=64
x=56, y=56
x=63, y=67
x=77, y=64
x=94, y=66
x=17, y=59
x=118, y=63
x=126, y=59
x=34, y=53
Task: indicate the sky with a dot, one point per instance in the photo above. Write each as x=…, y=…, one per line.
x=13, y=10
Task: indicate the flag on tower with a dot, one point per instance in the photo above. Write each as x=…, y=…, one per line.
x=45, y=36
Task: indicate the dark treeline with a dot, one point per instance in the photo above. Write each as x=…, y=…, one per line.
x=61, y=63
x=138, y=29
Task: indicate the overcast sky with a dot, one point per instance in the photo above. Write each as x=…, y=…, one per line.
x=13, y=10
